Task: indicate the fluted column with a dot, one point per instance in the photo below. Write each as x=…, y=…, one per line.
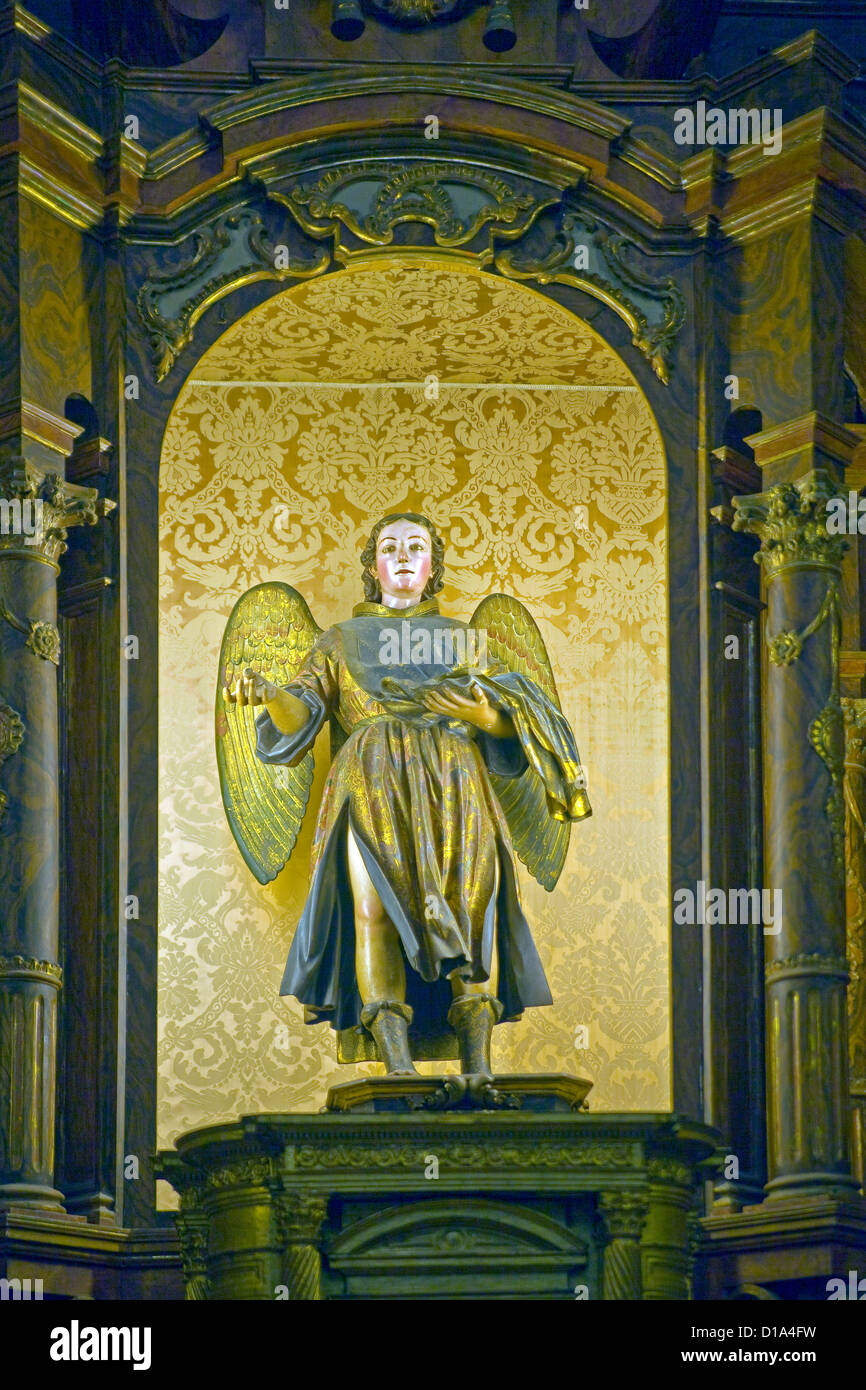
x=854, y=711
x=806, y=970
x=38, y=508
x=300, y=1216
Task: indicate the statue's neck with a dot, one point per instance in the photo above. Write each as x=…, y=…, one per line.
x=382, y=610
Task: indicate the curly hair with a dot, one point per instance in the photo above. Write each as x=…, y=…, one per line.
x=372, y=587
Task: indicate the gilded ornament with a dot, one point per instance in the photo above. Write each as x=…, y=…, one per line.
x=11, y=730
x=211, y=272
x=827, y=737
x=43, y=639
x=247, y=1172
x=791, y=521
x=656, y=340
x=28, y=967
x=62, y=505
x=807, y=963
x=299, y=1217
x=372, y=198
x=624, y=1213
x=572, y=1156
x=416, y=12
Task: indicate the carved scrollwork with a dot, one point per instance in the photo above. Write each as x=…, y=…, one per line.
x=606, y=270
x=620, y=1155
x=234, y=251
x=371, y=199
x=255, y=1171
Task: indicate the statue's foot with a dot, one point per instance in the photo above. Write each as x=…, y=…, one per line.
x=473, y=1016
x=387, y=1021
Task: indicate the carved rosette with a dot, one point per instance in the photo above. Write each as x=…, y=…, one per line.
x=54, y=505
x=298, y=1218
x=42, y=638
x=624, y=1215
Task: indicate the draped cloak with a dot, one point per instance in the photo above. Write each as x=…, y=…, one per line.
x=414, y=786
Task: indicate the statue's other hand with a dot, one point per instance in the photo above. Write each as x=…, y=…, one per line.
x=249, y=689
x=474, y=709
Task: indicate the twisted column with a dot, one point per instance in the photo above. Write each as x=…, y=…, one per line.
x=299, y=1222
x=624, y=1214
x=193, y=1229
x=806, y=970
x=37, y=509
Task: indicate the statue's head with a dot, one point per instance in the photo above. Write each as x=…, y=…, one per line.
x=402, y=549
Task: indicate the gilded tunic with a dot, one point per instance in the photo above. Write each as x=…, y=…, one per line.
x=416, y=790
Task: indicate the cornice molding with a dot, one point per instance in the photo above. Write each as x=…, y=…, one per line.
x=24, y=417
x=810, y=431
x=59, y=124
x=65, y=202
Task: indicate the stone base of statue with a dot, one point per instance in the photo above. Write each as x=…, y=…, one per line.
x=457, y=1203
x=380, y=1095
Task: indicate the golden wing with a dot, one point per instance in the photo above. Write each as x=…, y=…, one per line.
x=271, y=629
x=515, y=642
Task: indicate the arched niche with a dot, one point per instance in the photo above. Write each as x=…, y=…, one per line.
x=422, y=383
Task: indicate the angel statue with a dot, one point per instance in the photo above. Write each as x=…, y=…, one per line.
x=449, y=755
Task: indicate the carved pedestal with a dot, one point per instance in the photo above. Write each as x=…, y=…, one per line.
x=450, y=1205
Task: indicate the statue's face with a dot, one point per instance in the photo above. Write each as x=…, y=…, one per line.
x=404, y=559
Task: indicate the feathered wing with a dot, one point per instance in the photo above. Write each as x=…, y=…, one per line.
x=515, y=642
x=270, y=629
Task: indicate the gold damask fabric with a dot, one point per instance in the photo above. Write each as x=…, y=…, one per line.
x=477, y=402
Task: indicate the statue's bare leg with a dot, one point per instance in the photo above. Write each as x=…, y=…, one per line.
x=378, y=955
x=380, y=971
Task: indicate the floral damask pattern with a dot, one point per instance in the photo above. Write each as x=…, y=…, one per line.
x=416, y=387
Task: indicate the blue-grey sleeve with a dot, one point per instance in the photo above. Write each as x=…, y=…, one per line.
x=503, y=756
x=274, y=747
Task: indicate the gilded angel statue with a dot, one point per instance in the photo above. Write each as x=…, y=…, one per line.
x=449, y=755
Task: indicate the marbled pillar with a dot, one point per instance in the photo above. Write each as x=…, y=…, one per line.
x=806, y=968
x=37, y=508
x=854, y=711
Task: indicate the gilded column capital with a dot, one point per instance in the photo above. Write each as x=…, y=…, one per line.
x=299, y=1217
x=38, y=507
x=790, y=521
x=624, y=1213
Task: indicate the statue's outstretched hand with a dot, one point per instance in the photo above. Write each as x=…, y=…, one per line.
x=250, y=689
x=474, y=709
